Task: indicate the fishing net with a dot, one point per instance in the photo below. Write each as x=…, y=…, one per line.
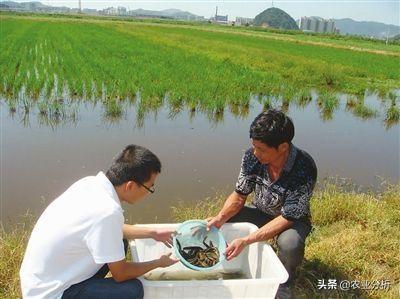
x=197, y=248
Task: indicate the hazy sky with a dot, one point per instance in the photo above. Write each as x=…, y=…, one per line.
x=385, y=11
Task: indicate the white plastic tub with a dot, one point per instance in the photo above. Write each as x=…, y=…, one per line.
x=261, y=269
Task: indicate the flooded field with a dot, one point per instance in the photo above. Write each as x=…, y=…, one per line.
x=43, y=155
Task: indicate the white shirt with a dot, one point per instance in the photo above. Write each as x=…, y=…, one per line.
x=77, y=233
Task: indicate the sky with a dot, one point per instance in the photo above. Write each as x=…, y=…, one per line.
x=384, y=11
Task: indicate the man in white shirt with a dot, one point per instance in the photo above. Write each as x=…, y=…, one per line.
x=79, y=237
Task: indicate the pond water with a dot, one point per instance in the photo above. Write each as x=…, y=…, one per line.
x=200, y=157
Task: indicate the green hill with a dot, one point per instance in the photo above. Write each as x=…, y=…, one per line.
x=276, y=18
x=396, y=37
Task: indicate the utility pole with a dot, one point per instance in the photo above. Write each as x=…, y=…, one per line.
x=387, y=36
x=80, y=6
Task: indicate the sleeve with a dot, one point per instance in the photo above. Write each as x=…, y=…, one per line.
x=297, y=202
x=246, y=181
x=104, y=239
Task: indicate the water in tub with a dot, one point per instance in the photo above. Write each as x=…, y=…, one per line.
x=194, y=275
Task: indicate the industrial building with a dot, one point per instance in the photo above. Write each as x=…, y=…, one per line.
x=317, y=24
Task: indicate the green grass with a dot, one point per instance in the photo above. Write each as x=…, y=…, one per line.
x=355, y=236
x=12, y=247
x=196, y=66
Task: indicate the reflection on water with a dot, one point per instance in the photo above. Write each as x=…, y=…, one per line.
x=49, y=144
x=55, y=111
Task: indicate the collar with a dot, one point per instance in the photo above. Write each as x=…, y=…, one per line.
x=290, y=159
x=106, y=184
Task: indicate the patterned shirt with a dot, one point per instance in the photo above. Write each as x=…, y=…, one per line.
x=288, y=196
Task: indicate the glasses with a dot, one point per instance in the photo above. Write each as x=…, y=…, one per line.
x=151, y=189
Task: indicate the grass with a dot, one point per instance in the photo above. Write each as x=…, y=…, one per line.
x=12, y=247
x=200, y=67
x=355, y=236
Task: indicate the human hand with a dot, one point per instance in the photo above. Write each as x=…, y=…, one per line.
x=164, y=235
x=214, y=221
x=235, y=248
x=166, y=260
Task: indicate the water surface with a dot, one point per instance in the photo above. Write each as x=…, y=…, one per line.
x=200, y=155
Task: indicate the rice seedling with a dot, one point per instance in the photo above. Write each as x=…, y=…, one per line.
x=392, y=115
x=329, y=76
x=204, y=68
x=24, y=101
x=303, y=98
x=113, y=109
x=327, y=103
x=240, y=110
x=358, y=107
x=42, y=107
x=12, y=106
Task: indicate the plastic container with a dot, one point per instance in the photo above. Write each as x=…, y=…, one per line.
x=194, y=233
x=258, y=266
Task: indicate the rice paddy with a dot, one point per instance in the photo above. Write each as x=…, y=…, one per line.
x=54, y=65
x=50, y=64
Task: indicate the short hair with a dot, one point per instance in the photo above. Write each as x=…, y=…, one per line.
x=134, y=163
x=272, y=127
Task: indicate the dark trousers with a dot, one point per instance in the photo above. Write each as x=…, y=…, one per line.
x=291, y=242
x=99, y=287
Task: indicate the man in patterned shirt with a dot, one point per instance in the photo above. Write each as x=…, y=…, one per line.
x=282, y=178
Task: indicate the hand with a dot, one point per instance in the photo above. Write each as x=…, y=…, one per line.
x=164, y=235
x=166, y=260
x=235, y=248
x=214, y=221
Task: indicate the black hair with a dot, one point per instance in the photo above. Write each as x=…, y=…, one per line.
x=272, y=127
x=134, y=163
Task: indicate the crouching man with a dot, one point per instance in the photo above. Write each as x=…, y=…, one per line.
x=282, y=178
x=79, y=237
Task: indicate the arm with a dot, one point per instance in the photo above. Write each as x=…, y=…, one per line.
x=244, y=186
x=123, y=270
x=268, y=231
x=104, y=241
x=137, y=232
x=142, y=232
x=233, y=204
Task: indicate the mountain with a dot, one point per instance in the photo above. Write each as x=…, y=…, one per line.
x=23, y=5
x=34, y=6
x=276, y=18
x=177, y=13
x=396, y=37
x=366, y=28
x=172, y=13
